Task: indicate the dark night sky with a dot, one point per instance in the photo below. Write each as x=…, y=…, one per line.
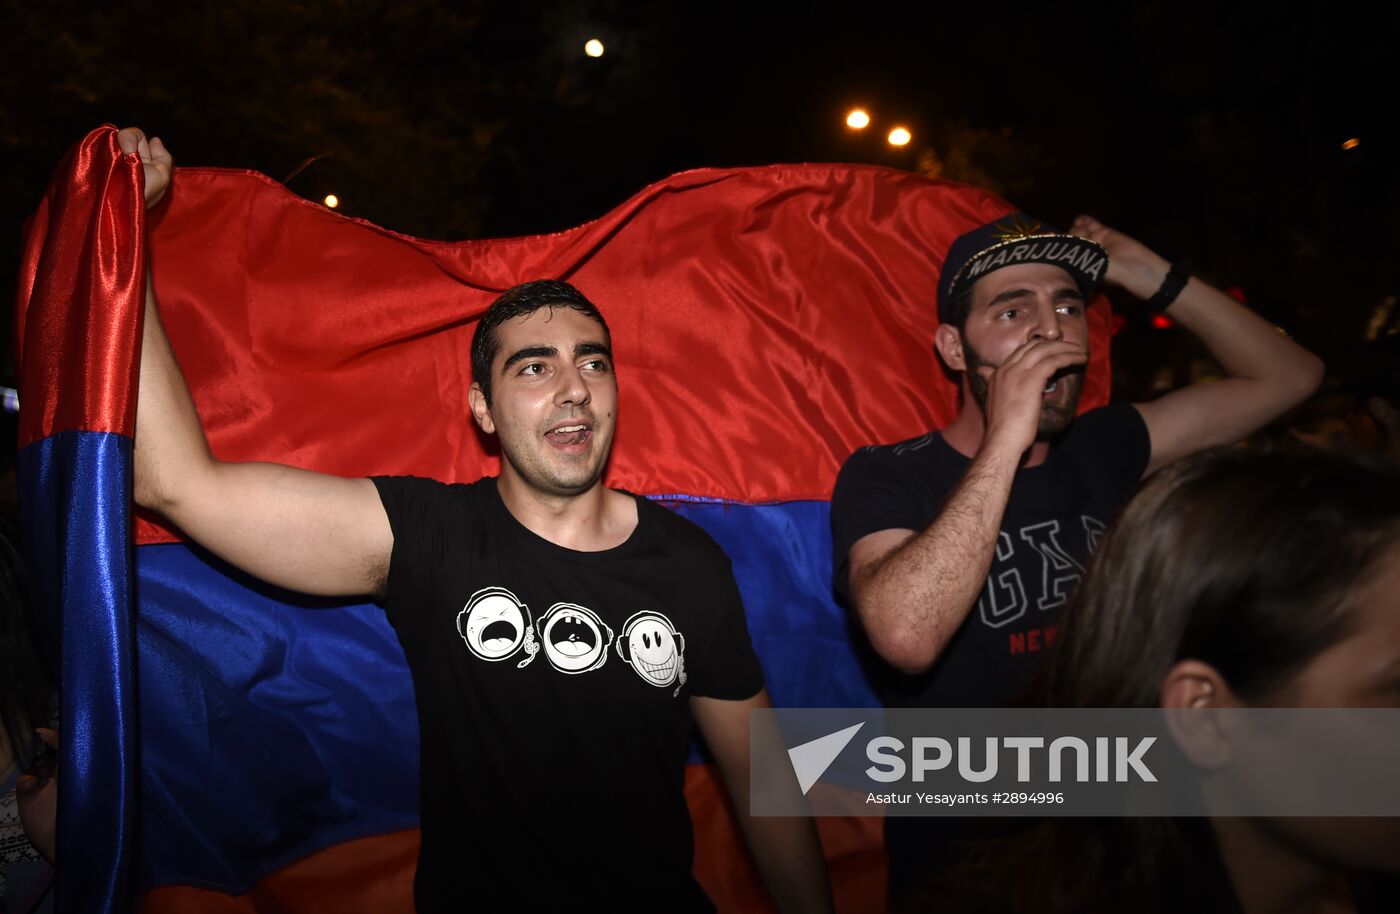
x=1213, y=133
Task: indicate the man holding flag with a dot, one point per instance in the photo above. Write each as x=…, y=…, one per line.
x=561, y=635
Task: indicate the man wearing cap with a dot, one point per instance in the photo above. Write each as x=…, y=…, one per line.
x=957, y=549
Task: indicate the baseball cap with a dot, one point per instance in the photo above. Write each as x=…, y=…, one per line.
x=1015, y=239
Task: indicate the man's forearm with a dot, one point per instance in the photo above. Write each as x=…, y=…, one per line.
x=1246, y=345
x=786, y=850
x=170, y=445
x=1266, y=375
x=790, y=862
x=913, y=602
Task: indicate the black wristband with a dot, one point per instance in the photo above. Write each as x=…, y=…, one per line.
x=1177, y=277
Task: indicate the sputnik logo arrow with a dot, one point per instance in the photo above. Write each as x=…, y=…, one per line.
x=811, y=759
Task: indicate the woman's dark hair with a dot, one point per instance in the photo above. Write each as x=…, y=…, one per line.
x=1239, y=559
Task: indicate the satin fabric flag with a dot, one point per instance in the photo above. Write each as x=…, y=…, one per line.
x=766, y=322
x=78, y=327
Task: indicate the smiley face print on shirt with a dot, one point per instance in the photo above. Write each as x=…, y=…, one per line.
x=653, y=647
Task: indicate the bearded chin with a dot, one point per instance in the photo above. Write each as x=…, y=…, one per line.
x=1053, y=420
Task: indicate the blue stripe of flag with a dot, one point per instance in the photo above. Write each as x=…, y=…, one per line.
x=75, y=498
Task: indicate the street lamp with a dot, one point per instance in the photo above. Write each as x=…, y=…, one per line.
x=858, y=119
x=899, y=136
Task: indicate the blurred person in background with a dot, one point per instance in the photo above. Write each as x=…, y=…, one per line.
x=1233, y=579
x=28, y=792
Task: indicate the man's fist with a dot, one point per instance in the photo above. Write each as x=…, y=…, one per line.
x=154, y=157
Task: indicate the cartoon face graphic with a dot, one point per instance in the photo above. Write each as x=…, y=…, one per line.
x=575, y=639
x=653, y=647
x=495, y=624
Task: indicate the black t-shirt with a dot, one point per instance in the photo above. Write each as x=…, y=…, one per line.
x=1053, y=520
x=553, y=691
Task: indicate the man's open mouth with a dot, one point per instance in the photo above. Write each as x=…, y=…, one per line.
x=1053, y=384
x=569, y=435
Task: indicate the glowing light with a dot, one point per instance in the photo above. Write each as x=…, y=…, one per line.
x=858, y=119
x=1162, y=322
x=332, y=201
x=593, y=47
x=900, y=137
x=1352, y=143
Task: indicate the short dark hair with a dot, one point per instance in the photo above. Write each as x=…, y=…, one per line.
x=522, y=301
x=960, y=307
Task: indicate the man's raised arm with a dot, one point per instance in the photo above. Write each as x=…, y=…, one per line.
x=306, y=531
x=1266, y=372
